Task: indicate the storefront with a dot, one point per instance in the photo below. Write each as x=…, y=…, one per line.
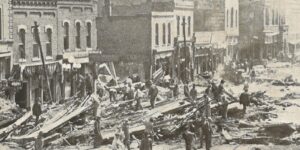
x=271, y=45
x=34, y=84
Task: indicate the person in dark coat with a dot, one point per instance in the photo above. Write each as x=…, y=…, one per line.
x=193, y=93
x=186, y=90
x=89, y=87
x=245, y=99
x=37, y=110
x=39, y=144
x=189, y=138
x=207, y=133
x=146, y=142
x=153, y=92
x=175, y=91
x=97, y=131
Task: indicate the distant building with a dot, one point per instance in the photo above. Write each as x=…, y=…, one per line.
x=5, y=40
x=211, y=42
x=139, y=35
x=259, y=29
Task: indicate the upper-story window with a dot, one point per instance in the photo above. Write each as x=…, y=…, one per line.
x=66, y=35
x=156, y=34
x=183, y=26
x=178, y=25
x=78, y=42
x=267, y=17
x=1, y=24
x=169, y=33
x=22, y=33
x=89, y=35
x=231, y=15
x=227, y=18
x=236, y=18
x=164, y=34
x=273, y=17
x=49, y=42
x=35, y=47
x=277, y=18
x=189, y=26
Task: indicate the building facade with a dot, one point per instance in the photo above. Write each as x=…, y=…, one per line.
x=76, y=25
x=140, y=35
x=65, y=27
x=210, y=35
x=259, y=34
x=5, y=40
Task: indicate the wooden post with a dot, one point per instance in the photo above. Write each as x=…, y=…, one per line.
x=37, y=38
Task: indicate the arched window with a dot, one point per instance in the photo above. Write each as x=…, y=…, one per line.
x=156, y=34
x=49, y=42
x=22, y=43
x=66, y=35
x=189, y=26
x=178, y=25
x=267, y=18
x=89, y=35
x=231, y=20
x=164, y=33
x=236, y=18
x=169, y=33
x=78, y=27
x=227, y=18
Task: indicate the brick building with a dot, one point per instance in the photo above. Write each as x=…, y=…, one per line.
x=65, y=27
x=76, y=25
x=259, y=28
x=139, y=35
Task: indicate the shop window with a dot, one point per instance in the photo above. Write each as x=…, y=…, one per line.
x=49, y=43
x=156, y=34
x=22, y=43
x=169, y=33
x=164, y=34
x=89, y=33
x=267, y=17
x=77, y=38
x=66, y=35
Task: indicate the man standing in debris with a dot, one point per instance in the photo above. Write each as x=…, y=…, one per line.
x=37, y=109
x=138, y=96
x=153, y=92
x=97, y=127
x=207, y=132
x=186, y=90
x=245, y=98
x=189, y=138
x=125, y=129
x=222, y=99
x=149, y=128
x=39, y=144
x=193, y=93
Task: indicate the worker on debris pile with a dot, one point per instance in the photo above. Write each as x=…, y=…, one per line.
x=138, y=96
x=149, y=128
x=125, y=91
x=222, y=99
x=245, y=98
x=252, y=75
x=88, y=84
x=153, y=92
x=38, y=145
x=146, y=142
x=100, y=89
x=117, y=143
x=176, y=91
x=214, y=90
x=125, y=129
x=189, y=138
x=186, y=90
x=193, y=93
x=37, y=109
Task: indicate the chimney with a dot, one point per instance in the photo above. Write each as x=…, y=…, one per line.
x=107, y=8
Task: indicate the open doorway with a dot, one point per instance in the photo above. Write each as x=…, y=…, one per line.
x=21, y=96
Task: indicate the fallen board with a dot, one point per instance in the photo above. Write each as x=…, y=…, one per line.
x=62, y=120
x=156, y=111
x=16, y=124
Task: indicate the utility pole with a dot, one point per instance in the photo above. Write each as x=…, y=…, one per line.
x=37, y=39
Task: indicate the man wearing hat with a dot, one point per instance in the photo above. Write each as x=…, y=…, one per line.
x=189, y=138
x=245, y=98
x=222, y=99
